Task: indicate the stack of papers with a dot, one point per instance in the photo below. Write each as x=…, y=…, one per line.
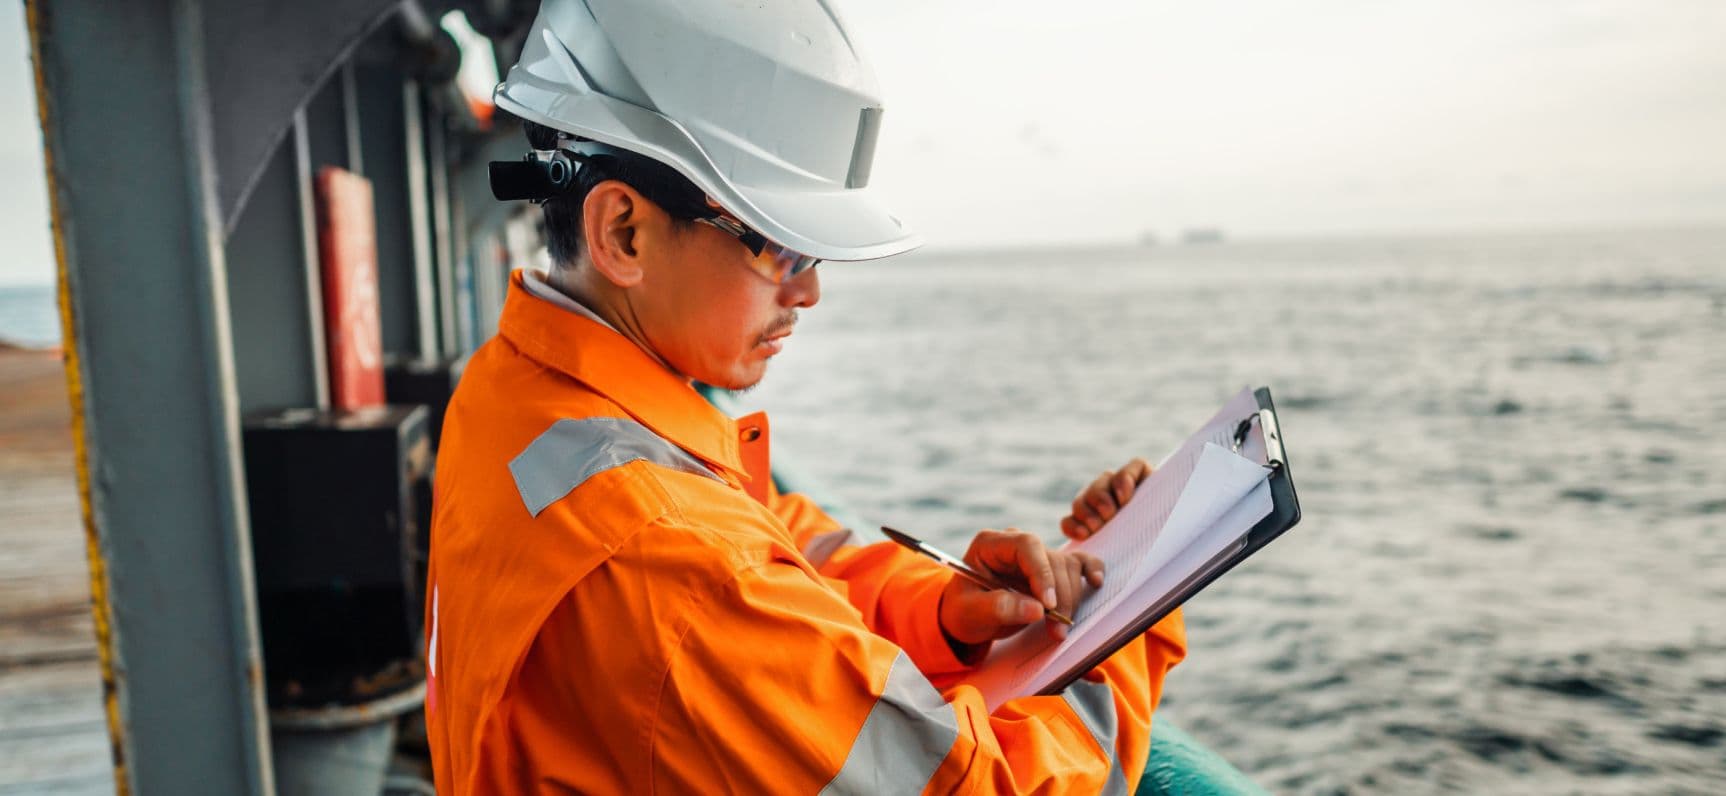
x=1197, y=505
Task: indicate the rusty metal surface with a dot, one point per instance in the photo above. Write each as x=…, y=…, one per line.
x=345, y=716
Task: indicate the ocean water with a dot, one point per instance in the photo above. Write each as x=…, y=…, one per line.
x=1510, y=451
x=28, y=316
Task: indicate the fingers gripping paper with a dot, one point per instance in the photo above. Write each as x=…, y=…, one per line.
x=1199, y=502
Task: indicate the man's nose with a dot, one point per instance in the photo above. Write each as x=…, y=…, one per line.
x=802, y=290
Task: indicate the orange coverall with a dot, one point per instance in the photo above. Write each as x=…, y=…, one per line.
x=620, y=604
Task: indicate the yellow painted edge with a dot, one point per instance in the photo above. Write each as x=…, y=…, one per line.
x=101, y=609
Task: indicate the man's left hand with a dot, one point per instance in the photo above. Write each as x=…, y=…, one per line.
x=1098, y=502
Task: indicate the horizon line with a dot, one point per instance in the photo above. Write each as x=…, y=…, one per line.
x=1279, y=236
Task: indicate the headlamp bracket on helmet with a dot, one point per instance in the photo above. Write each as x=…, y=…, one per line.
x=559, y=167
x=544, y=174
x=577, y=164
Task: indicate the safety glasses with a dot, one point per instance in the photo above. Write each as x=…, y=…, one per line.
x=773, y=261
x=576, y=166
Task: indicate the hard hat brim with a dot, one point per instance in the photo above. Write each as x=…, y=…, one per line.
x=840, y=224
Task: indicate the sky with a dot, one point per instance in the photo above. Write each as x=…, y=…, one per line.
x=1008, y=123
x=29, y=255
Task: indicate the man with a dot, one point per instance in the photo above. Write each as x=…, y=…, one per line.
x=621, y=600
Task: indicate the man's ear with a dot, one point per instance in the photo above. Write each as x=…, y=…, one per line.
x=611, y=226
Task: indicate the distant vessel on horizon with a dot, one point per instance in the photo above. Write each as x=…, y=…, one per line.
x=1193, y=235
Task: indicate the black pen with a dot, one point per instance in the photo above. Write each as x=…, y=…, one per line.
x=965, y=570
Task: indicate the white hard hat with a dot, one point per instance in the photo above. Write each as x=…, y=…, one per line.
x=766, y=106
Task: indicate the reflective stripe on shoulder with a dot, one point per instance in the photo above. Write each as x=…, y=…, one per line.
x=1095, y=704
x=572, y=451
x=906, y=736
x=823, y=546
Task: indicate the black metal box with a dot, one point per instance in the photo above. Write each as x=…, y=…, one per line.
x=340, y=520
x=428, y=382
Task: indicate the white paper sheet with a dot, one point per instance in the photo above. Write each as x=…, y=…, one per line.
x=1199, y=500
x=1219, y=483
x=1227, y=533
x=1127, y=538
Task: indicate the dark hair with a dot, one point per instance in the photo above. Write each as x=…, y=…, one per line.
x=563, y=213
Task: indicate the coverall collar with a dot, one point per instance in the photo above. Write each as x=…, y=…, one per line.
x=614, y=366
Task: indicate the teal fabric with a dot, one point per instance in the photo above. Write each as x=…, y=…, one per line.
x=1181, y=765
x=1178, y=764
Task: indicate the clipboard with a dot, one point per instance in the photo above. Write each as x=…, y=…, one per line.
x=1285, y=513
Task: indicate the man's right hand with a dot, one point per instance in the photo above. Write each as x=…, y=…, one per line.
x=973, y=616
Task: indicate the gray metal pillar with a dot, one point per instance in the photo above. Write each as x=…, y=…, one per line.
x=274, y=287
x=421, y=213
x=443, y=227
x=463, y=272
x=325, y=117
x=351, y=118
x=383, y=136
x=485, y=222
x=125, y=115
x=311, y=263
x=488, y=280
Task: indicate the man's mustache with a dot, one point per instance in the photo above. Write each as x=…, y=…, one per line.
x=784, y=324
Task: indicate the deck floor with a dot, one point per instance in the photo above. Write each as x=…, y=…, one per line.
x=53, y=736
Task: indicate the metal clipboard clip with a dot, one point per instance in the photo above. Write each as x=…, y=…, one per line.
x=1273, y=438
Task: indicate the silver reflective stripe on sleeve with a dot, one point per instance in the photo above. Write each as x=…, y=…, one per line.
x=906, y=736
x=823, y=547
x=572, y=451
x=1095, y=704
